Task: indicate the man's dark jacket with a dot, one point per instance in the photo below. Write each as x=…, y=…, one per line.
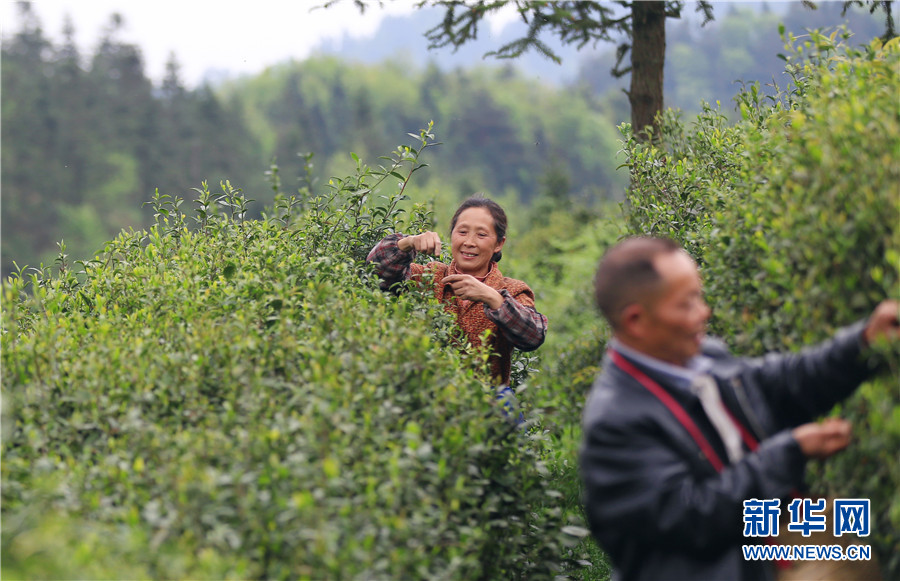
x=655, y=503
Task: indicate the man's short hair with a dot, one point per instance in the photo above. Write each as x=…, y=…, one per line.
x=626, y=274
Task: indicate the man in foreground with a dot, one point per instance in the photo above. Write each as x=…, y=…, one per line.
x=678, y=432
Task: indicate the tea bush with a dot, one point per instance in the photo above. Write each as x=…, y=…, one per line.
x=233, y=398
x=558, y=391
x=558, y=256
x=794, y=215
x=675, y=188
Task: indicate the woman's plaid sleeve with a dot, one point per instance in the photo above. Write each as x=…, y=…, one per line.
x=522, y=325
x=393, y=263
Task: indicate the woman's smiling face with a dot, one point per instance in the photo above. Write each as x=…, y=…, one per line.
x=473, y=241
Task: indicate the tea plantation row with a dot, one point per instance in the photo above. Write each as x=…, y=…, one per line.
x=239, y=400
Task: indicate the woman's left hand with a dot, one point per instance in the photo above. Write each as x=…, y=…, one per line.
x=468, y=287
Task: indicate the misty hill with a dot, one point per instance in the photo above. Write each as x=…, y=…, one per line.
x=703, y=62
x=403, y=38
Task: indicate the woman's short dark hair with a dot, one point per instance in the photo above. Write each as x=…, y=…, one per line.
x=626, y=274
x=497, y=213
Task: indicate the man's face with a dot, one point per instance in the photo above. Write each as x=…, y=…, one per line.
x=674, y=319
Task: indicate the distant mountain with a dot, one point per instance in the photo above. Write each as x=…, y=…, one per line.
x=403, y=38
x=703, y=62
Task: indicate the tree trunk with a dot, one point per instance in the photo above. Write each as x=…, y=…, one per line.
x=648, y=54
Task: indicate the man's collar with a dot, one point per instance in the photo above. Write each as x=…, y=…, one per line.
x=682, y=376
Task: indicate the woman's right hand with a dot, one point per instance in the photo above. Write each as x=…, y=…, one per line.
x=427, y=242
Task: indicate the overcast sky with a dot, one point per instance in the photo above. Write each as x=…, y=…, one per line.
x=241, y=36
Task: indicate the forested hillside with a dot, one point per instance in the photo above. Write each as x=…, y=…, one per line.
x=106, y=138
x=90, y=138
x=501, y=133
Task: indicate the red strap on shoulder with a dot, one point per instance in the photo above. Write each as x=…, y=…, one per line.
x=680, y=414
x=752, y=443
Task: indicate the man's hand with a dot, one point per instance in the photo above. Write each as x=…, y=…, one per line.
x=470, y=288
x=822, y=440
x=884, y=323
x=427, y=242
